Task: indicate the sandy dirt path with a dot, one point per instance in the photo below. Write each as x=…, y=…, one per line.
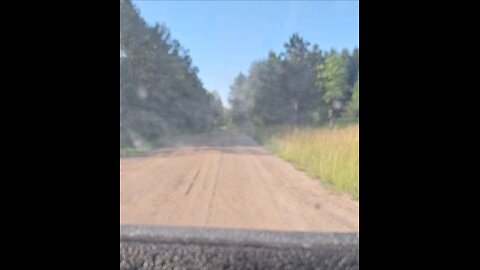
x=224, y=179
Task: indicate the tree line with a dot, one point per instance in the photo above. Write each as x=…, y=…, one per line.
x=302, y=85
x=160, y=92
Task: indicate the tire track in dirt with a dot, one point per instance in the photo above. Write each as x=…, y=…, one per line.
x=225, y=179
x=212, y=197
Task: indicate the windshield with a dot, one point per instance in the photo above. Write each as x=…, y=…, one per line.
x=240, y=114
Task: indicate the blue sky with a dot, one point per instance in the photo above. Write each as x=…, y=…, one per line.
x=225, y=37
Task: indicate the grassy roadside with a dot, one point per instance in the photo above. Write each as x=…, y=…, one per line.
x=131, y=152
x=145, y=149
x=330, y=155
x=149, y=147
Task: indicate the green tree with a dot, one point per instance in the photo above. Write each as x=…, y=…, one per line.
x=238, y=99
x=353, y=106
x=217, y=109
x=160, y=92
x=297, y=86
x=299, y=78
x=270, y=102
x=356, y=64
x=332, y=78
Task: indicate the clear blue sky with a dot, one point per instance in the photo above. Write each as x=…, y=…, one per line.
x=225, y=37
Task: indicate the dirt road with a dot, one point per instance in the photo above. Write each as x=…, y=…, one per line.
x=225, y=179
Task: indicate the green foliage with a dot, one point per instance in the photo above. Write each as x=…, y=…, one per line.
x=160, y=92
x=227, y=118
x=332, y=78
x=295, y=87
x=353, y=107
x=240, y=99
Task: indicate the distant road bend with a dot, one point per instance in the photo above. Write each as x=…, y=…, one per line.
x=225, y=179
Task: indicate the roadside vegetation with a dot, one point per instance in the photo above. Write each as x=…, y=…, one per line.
x=327, y=154
x=161, y=94
x=303, y=105
x=144, y=149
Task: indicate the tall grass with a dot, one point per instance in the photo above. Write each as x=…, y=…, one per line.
x=327, y=154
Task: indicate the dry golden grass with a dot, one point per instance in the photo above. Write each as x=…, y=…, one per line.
x=329, y=155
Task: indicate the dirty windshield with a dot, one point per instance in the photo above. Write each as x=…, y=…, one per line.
x=240, y=114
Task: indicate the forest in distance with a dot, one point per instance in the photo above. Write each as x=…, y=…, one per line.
x=161, y=94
